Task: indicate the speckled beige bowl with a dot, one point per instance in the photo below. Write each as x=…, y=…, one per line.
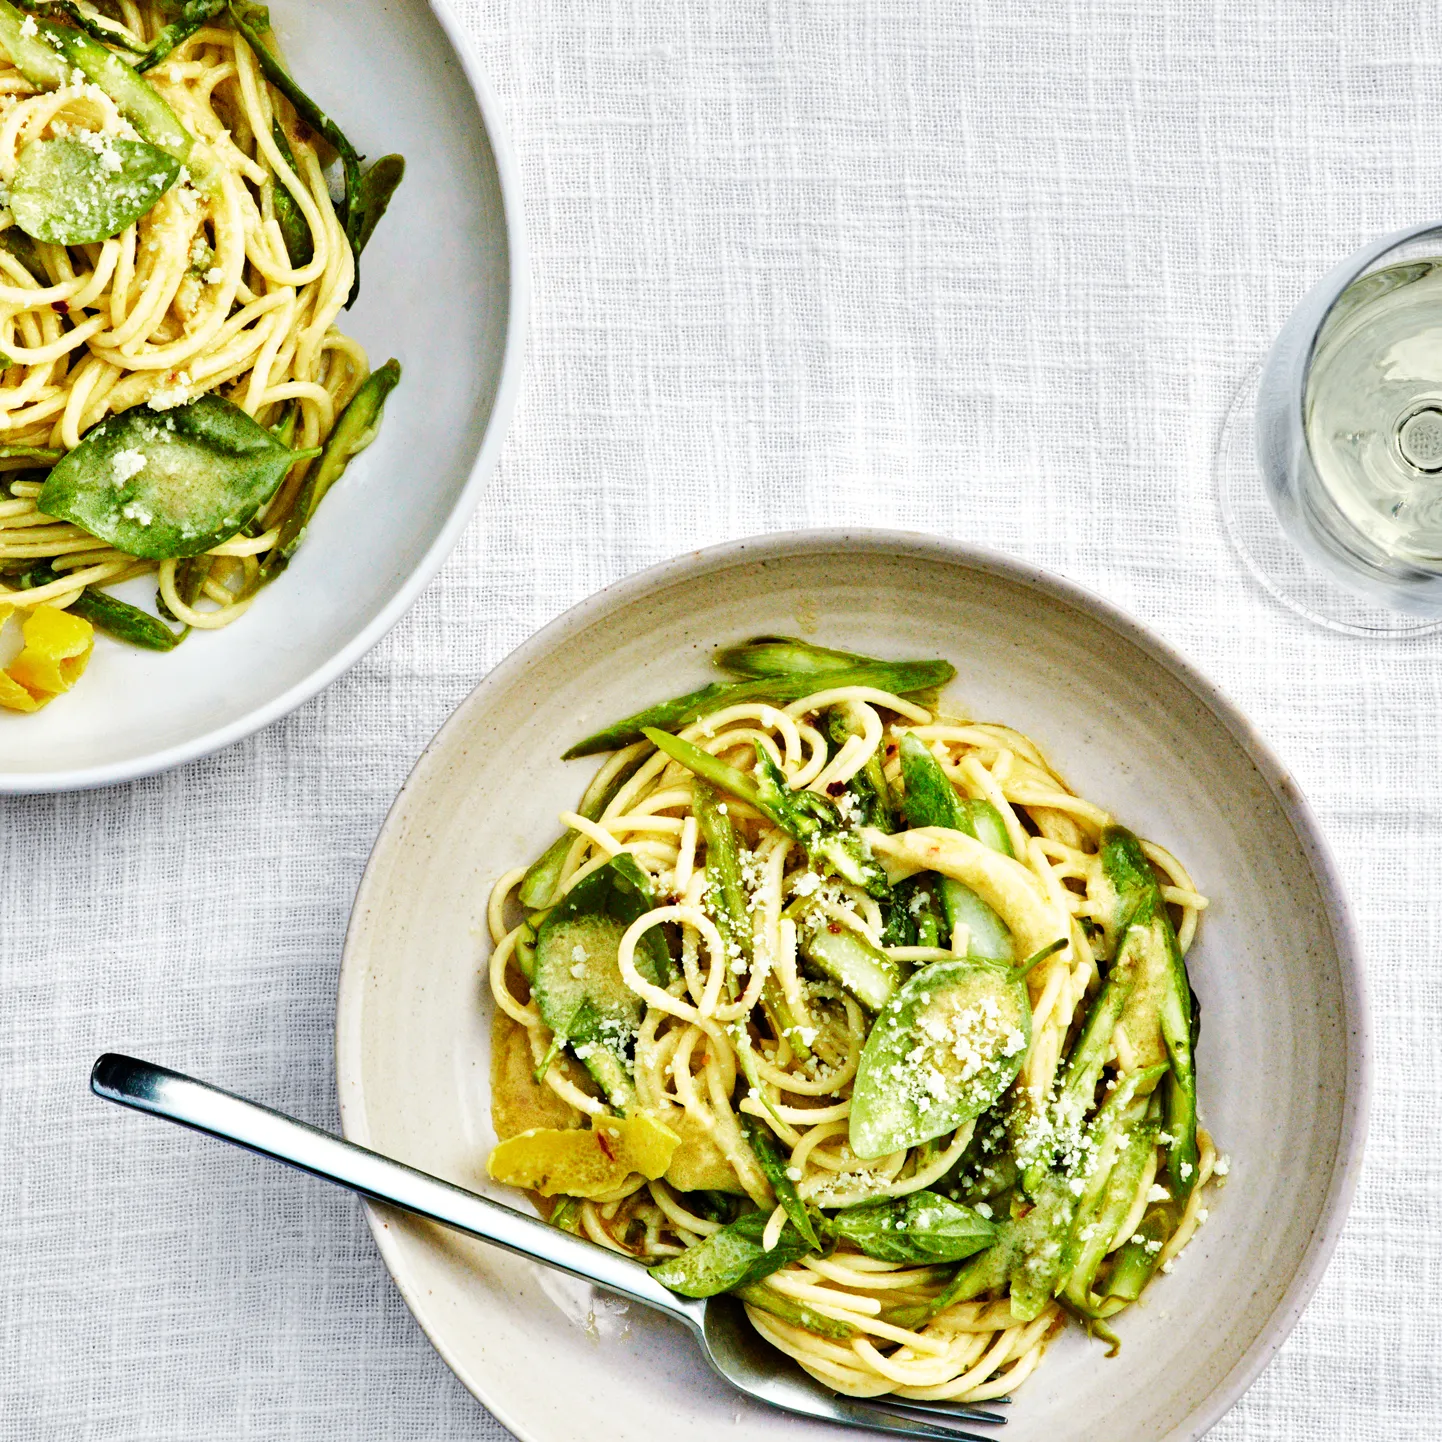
x=1283, y=1053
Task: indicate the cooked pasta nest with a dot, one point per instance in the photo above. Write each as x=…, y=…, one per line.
x=688, y=1074
x=199, y=295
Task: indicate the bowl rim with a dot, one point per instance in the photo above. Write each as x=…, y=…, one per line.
x=80, y=778
x=775, y=545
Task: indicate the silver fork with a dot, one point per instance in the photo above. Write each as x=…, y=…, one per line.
x=718, y=1324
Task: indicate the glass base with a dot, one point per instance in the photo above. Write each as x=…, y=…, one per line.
x=1269, y=554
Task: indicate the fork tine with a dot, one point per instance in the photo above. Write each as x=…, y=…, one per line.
x=944, y=1403
x=861, y=1412
x=935, y=1412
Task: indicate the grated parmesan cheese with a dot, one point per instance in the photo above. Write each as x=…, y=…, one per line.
x=124, y=465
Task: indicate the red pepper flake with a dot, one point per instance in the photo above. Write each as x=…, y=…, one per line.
x=835, y=788
x=63, y=306
x=604, y=1145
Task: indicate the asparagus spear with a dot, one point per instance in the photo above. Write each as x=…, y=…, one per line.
x=729, y=908
x=1158, y=1016
x=578, y=985
x=768, y=1299
x=901, y=678
x=108, y=613
x=367, y=193
x=787, y=656
x=762, y=1141
x=868, y=787
x=931, y=800
x=811, y=819
x=193, y=14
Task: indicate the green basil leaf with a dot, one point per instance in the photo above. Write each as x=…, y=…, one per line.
x=87, y=187
x=920, y=1229
x=732, y=1257
x=163, y=484
x=942, y=1050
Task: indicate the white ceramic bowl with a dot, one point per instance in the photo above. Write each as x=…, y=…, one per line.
x=1283, y=1056
x=443, y=288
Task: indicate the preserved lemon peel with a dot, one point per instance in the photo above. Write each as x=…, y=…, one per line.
x=592, y=1164
x=57, y=648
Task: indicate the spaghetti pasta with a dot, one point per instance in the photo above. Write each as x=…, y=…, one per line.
x=762, y=1032
x=230, y=284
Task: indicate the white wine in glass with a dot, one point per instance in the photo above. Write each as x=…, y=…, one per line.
x=1345, y=423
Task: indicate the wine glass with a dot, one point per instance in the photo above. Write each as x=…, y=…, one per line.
x=1342, y=424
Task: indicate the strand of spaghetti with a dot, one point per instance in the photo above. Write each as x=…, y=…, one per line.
x=712, y=726
x=58, y=592
x=274, y=271
x=617, y=762
x=685, y=857
x=665, y=1198
x=771, y=1233
x=188, y=615
x=983, y=785
x=652, y=1057
x=1012, y=1378
x=653, y=995
x=599, y=836
x=1133, y=1218
x=918, y=1181
x=933, y=1348
x=819, y=700
x=538, y=1038
x=1023, y=795
x=727, y=1133
x=815, y=742
x=836, y=1269
x=792, y=1282
x=760, y=970
x=669, y=800
x=595, y=1229
x=993, y=1356
x=247, y=545
x=855, y=751
x=495, y=904
x=822, y=1084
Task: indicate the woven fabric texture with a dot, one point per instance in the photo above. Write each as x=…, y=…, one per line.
x=991, y=270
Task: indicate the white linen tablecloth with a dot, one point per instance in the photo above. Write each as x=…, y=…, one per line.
x=993, y=270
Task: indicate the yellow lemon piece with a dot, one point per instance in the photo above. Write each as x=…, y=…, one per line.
x=591, y=1164
x=14, y=697
x=57, y=647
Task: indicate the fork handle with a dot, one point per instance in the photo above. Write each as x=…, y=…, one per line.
x=196, y=1104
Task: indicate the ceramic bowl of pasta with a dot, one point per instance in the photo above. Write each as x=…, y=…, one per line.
x=885, y=935
x=261, y=301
